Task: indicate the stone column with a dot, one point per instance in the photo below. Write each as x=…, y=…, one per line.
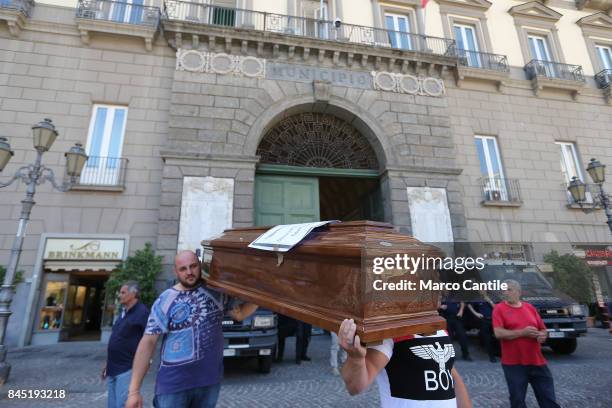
x=376, y=15
x=339, y=13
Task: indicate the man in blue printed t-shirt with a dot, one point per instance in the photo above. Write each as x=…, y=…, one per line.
x=189, y=317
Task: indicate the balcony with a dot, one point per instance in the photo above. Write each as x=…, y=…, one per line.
x=103, y=173
x=247, y=25
x=500, y=192
x=117, y=17
x=604, y=79
x=15, y=13
x=603, y=5
x=482, y=66
x=555, y=75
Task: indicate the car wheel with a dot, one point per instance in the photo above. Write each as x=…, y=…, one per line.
x=264, y=364
x=565, y=346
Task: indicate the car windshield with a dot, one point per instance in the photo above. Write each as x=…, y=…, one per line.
x=526, y=275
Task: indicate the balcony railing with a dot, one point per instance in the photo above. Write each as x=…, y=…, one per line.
x=604, y=78
x=502, y=190
x=306, y=27
x=118, y=11
x=104, y=172
x=483, y=60
x=24, y=6
x=554, y=70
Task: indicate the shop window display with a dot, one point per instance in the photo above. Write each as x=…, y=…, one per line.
x=53, y=308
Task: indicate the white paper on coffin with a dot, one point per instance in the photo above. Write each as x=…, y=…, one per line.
x=282, y=238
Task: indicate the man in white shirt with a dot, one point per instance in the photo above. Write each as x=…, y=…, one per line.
x=411, y=371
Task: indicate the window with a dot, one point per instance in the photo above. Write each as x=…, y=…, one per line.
x=467, y=46
x=538, y=46
x=127, y=11
x=569, y=162
x=224, y=13
x=494, y=183
x=605, y=55
x=104, y=145
x=399, y=27
x=570, y=166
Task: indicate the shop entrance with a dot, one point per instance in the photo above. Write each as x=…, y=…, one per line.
x=83, y=308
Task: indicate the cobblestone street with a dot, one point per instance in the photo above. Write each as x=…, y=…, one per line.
x=583, y=379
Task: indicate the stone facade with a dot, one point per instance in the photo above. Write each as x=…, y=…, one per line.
x=197, y=119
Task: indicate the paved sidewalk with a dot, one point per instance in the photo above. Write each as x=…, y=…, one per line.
x=582, y=380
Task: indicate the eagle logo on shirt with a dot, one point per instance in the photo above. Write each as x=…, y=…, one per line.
x=437, y=353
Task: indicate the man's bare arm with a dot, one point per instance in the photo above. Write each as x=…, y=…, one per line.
x=461, y=392
x=243, y=311
x=507, y=334
x=359, y=373
x=142, y=361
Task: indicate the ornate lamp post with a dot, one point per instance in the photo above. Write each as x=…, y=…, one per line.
x=577, y=189
x=44, y=134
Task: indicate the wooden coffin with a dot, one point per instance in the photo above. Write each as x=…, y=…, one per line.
x=328, y=277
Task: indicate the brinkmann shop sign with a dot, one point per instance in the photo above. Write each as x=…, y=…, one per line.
x=84, y=249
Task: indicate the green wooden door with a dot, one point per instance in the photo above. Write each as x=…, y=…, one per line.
x=286, y=200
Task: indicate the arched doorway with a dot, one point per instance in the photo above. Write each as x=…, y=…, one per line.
x=316, y=166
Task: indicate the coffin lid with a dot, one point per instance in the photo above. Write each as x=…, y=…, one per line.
x=344, y=239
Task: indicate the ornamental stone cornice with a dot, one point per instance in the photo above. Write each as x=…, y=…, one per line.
x=598, y=21
x=481, y=5
x=535, y=10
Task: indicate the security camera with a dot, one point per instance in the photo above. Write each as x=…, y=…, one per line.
x=337, y=22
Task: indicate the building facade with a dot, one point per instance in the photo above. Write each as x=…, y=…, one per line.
x=461, y=121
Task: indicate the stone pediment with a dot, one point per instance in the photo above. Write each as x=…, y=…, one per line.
x=478, y=4
x=597, y=20
x=535, y=10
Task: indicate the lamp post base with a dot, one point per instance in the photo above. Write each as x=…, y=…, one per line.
x=5, y=368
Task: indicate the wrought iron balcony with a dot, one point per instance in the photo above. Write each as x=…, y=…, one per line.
x=104, y=173
x=483, y=60
x=23, y=6
x=604, y=78
x=500, y=191
x=15, y=13
x=118, y=12
x=554, y=70
x=207, y=14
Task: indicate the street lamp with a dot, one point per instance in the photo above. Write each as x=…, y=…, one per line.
x=43, y=134
x=577, y=189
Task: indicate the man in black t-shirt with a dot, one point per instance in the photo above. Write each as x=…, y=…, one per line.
x=411, y=371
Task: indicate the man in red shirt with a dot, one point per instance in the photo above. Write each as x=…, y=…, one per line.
x=520, y=329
